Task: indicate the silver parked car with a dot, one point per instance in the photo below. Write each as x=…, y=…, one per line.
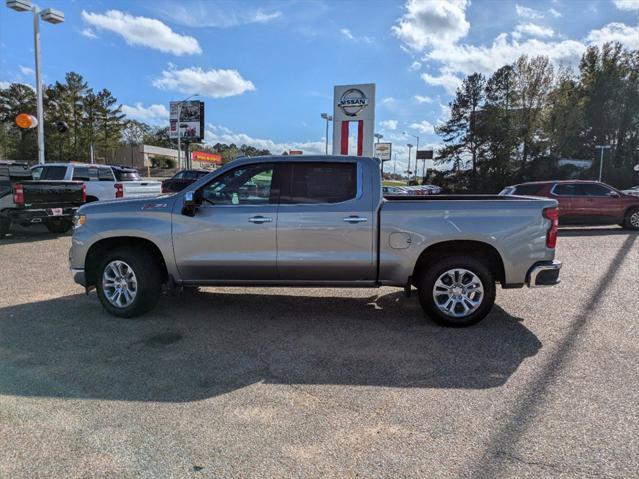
x=315, y=221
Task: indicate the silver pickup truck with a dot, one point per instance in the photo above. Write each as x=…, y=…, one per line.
x=314, y=221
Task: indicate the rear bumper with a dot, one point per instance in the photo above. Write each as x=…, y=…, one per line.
x=543, y=273
x=41, y=215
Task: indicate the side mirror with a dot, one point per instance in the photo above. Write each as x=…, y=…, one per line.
x=191, y=202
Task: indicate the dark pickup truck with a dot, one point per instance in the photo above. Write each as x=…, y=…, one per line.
x=27, y=202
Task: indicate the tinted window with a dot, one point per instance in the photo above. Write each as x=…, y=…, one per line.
x=52, y=173
x=320, y=183
x=568, y=189
x=126, y=175
x=104, y=174
x=179, y=176
x=527, y=190
x=591, y=189
x=247, y=185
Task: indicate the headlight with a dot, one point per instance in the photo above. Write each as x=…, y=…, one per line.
x=79, y=220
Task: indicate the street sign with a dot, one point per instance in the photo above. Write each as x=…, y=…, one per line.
x=383, y=151
x=425, y=155
x=24, y=120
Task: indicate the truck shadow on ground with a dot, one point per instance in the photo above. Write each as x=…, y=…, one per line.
x=200, y=345
x=21, y=234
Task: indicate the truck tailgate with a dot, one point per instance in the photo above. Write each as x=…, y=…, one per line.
x=139, y=189
x=41, y=193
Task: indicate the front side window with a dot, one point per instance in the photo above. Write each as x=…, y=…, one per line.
x=247, y=185
x=527, y=190
x=591, y=189
x=320, y=183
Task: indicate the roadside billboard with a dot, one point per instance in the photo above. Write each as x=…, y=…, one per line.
x=383, y=151
x=191, y=120
x=205, y=157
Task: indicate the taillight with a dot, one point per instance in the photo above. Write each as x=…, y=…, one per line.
x=18, y=194
x=84, y=193
x=551, y=235
x=119, y=190
x=165, y=189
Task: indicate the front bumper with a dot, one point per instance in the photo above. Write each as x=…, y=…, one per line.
x=543, y=273
x=79, y=277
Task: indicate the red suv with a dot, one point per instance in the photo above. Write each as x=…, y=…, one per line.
x=584, y=202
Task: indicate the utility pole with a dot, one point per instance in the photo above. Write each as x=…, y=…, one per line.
x=328, y=119
x=602, y=148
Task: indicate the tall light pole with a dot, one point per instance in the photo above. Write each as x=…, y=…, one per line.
x=179, y=120
x=379, y=136
x=49, y=15
x=416, y=150
x=602, y=147
x=328, y=119
x=409, y=148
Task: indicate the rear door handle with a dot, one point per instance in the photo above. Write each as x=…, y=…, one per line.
x=355, y=219
x=260, y=219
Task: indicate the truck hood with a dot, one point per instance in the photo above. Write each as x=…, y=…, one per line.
x=136, y=204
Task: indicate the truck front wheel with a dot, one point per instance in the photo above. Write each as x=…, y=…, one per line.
x=128, y=282
x=456, y=291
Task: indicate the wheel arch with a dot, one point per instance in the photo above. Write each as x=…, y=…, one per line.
x=101, y=247
x=484, y=252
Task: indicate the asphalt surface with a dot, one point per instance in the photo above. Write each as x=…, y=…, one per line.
x=233, y=382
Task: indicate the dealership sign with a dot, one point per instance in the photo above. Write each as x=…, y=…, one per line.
x=206, y=157
x=383, y=151
x=191, y=124
x=354, y=104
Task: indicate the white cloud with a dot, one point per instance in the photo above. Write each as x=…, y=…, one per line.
x=415, y=66
x=428, y=22
x=217, y=15
x=423, y=127
x=388, y=100
x=4, y=85
x=388, y=124
x=88, y=32
x=616, y=32
x=144, y=31
x=26, y=70
x=445, y=112
x=153, y=114
x=627, y=4
x=220, y=134
x=526, y=12
x=423, y=99
x=348, y=34
x=534, y=30
x=214, y=83
x=555, y=13
x=448, y=81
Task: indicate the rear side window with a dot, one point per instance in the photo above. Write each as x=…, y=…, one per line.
x=52, y=173
x=568, y=189
x=320, y=183
x=126, y=175
x=83, y=173
x=527, y=190
x=104, y=174
x=591, y=189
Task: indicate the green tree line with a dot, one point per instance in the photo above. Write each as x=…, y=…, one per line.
x=516, y=124
x=93, y=118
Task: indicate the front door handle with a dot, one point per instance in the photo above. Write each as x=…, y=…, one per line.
x=260, y=219
x=355, y=219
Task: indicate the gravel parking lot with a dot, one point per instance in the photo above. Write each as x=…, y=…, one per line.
x=235, y=382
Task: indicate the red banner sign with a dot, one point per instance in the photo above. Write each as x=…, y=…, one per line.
x=207, y=157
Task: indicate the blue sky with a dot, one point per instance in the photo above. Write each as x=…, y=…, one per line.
x=266, y=69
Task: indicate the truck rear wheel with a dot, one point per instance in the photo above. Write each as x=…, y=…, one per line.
x=128, y=282
x=59, y=227
x=456, y=291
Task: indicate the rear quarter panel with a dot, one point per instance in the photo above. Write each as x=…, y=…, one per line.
x=514, y=227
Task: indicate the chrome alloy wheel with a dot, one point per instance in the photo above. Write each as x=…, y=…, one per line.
x=119, y=284
x=458, y=292
x=634, y=219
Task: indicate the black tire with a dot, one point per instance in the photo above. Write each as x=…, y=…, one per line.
x=430, y=275
x=5, y=225
x=59, y=227
x=149, y=281
x=631, y=220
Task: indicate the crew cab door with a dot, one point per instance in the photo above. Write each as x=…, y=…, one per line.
x=231, y=236
x=325, y=223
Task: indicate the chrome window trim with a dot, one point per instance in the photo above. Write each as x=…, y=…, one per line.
x=552, y=192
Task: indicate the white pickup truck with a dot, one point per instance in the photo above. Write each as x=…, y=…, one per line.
x=103, y=182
